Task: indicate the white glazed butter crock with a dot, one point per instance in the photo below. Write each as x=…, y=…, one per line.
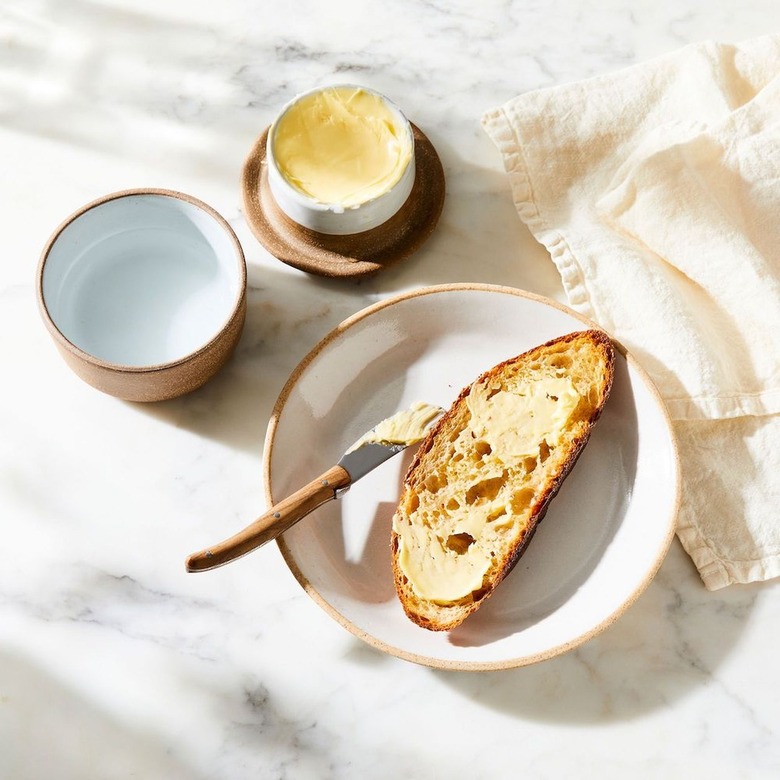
x=335, y=218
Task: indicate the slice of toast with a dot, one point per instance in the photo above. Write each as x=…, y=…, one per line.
x=485, y=474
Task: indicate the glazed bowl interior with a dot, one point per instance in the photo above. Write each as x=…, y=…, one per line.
x=142, y=279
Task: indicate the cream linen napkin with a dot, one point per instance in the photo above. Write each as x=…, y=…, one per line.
x=656, y=190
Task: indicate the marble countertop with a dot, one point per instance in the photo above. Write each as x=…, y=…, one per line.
x=114, y=663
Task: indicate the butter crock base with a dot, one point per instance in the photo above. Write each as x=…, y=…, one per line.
x=356, y=254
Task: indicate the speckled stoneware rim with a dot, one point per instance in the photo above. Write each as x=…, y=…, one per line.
x=438, y=663
x=236, y=309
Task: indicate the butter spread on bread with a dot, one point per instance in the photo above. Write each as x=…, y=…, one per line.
x=486, y=472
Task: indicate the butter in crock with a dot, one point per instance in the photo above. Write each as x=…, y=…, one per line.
x=341, y=145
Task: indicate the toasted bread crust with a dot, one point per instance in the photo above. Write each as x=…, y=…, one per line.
x=590, y=352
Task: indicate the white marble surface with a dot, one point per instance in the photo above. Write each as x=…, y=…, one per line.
x=114, y=663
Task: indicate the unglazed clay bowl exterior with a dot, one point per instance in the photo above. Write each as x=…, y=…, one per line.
x=330, y=218
x=144, y=293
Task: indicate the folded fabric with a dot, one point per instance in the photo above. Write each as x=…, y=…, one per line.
x=656, y=190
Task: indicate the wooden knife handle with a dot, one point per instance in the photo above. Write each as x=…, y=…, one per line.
x=273, y=523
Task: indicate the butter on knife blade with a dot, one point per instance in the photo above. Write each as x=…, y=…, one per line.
x=406, y=427
x=382, y=442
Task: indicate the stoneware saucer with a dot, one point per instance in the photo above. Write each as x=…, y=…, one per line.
x=355, y=254
x=144, y=293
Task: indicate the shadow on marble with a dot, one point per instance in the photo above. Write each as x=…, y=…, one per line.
x=480, y=237
x=667, y=646
x=287, y=315
x=48, y=729
x=139, y=84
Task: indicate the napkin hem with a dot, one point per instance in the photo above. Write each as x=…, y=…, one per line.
x=501, y=131
x=717, y=572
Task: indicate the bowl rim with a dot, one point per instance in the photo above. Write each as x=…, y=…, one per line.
x=66, y=343
x=307, y=201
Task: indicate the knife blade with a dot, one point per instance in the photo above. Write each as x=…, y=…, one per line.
x=382, y=442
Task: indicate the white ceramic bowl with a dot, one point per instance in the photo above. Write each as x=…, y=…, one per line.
x=333, y=218
x=143, y=292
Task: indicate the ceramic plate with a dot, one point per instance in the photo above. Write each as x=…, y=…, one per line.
x=603, y=538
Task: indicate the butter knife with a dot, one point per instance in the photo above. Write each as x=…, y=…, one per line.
x=382, y=442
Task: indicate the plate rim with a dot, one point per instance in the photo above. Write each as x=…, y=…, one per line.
x=431, y=661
